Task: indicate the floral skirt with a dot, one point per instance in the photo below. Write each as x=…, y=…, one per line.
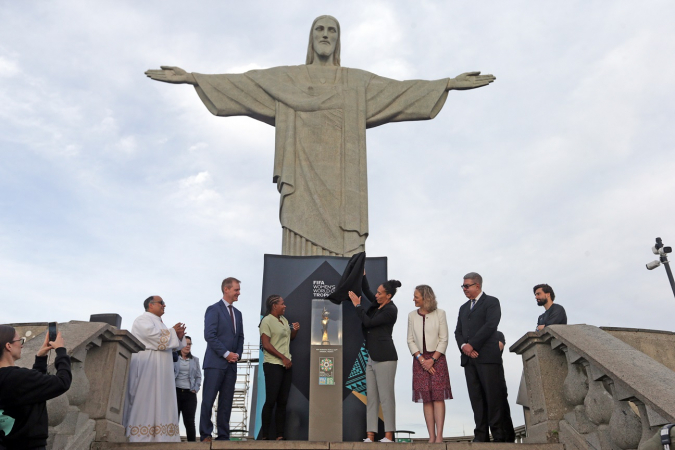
x=428, y=387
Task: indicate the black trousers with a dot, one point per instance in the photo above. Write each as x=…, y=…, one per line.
x=487, y=395
x=277, y=388
x=187, y=404
x=507, y=422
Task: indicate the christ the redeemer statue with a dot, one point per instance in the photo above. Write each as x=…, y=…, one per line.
x=321, y=112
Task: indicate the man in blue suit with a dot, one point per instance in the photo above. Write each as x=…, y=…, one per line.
x=224, y=335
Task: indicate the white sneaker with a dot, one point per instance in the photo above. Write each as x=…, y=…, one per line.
x=385, y=440
x=367, y=440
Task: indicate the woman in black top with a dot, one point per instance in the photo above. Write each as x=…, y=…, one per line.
x=378, y=317
x=24, y=392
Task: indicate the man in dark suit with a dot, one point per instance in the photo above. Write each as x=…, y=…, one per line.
x=224, y=335
x=476, y=335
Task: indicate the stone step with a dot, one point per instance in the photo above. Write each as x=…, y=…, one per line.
x=305, y=445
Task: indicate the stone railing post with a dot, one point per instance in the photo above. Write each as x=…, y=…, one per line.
x=107, y=369
x=545, y=370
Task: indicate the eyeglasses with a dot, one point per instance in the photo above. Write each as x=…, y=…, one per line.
x=22, y=340
x=467, y=286
x=161, y=303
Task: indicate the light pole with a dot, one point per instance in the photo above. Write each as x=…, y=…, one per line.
x=662, y=251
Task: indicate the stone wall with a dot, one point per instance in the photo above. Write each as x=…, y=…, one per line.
x=658, y=345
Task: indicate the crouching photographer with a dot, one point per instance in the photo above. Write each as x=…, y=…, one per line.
x=24, y=392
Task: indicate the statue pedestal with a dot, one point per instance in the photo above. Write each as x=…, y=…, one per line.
x=341, y=407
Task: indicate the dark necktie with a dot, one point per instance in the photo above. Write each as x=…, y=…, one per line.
x=473, y=303
x=232, y=317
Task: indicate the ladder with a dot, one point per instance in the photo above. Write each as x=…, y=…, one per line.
x=240, y=403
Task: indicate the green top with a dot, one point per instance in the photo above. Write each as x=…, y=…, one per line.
x=279, y=333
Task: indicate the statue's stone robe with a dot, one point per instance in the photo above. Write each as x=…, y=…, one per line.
x=320, y=157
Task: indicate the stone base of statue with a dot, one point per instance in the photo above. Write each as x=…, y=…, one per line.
x=327, y=401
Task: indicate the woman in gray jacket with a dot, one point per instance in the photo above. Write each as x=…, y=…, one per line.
x=188, y=375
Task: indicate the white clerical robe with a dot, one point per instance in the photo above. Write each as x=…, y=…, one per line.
x=150, y=410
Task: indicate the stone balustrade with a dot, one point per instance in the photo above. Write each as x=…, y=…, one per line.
x=91, y=410
x=593, y=388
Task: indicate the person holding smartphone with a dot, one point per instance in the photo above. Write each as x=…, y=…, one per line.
x=24, y=392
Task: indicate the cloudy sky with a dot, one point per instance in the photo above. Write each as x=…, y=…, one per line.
x=114, y=187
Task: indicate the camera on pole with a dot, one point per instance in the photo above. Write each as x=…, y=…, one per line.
x=662, y=251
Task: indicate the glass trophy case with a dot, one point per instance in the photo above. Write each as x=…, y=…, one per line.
x=326, y=323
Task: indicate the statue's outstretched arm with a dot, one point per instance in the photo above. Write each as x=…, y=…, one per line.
x=469, y=80
x=172, y=74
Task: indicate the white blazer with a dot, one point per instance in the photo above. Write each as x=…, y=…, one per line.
x=435, y=332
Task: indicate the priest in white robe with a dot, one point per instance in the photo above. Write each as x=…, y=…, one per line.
x=321, y=112
x=150, y=409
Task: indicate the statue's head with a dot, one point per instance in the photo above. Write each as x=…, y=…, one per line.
x=324, y=39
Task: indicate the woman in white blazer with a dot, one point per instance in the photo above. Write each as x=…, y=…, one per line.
x=428, y=341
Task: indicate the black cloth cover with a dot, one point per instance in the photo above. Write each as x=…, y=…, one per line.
x=351, y=280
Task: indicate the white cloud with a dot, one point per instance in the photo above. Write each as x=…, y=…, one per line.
x=127, y=144
x=8, y=68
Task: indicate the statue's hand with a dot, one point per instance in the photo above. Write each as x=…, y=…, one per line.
x=470, y=80
x=171, y=74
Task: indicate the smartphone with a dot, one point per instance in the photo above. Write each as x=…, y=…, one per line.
x=52, y=331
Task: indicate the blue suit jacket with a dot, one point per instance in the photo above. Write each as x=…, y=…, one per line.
x=220, y=337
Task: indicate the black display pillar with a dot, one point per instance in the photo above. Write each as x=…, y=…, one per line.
x=299, y=280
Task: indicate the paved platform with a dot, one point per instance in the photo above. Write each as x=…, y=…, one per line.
x=305, y=445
